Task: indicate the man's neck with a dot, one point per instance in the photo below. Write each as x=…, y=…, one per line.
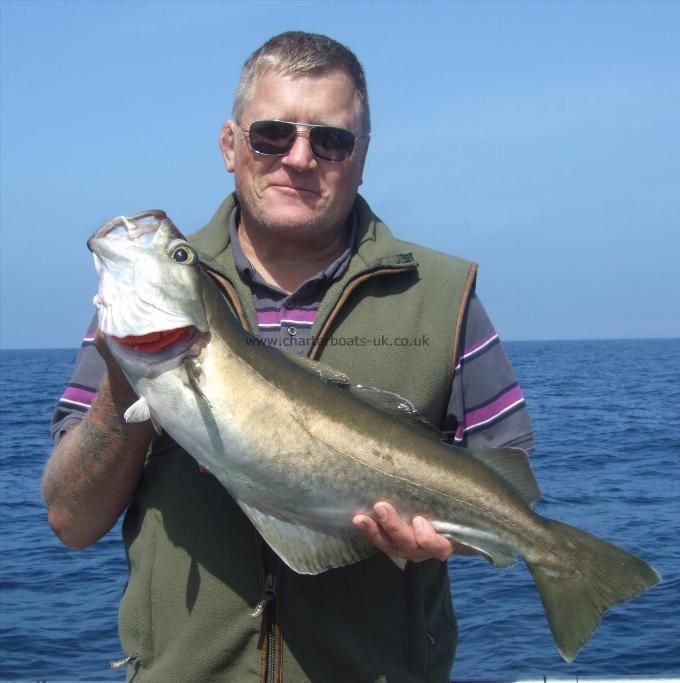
x=288, y=263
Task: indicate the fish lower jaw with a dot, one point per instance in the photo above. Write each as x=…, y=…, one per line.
x=158, y=349
x=155, y=341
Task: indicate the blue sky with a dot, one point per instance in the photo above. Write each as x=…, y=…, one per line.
x=541, y=140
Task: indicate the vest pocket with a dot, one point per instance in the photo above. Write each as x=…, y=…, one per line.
x=135, y=622
x=442, y=637
x=433, y=623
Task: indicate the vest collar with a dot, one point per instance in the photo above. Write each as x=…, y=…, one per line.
x=375, y=245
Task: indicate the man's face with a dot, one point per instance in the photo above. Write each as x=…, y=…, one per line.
x=296, y=194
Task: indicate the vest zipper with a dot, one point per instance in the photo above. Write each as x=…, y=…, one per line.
x=269, y=595
x=271, y=640
x=268, y=603
x=118, y=663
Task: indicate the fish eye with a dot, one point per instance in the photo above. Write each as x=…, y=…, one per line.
x=184, y=254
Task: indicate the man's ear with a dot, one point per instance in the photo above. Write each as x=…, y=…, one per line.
x=227, y=144
x=362, y=160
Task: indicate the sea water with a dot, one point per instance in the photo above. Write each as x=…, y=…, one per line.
x=606, y=415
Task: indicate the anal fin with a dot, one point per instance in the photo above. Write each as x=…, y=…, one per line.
x=398, y=561
x=306, y=550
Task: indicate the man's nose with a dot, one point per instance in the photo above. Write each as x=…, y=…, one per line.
x=300, y=156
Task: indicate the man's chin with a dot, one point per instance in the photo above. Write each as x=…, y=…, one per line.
x=279, y=214
x=287, y=218
x=293, y=225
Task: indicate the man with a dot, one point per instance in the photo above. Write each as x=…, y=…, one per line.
x=302, y=259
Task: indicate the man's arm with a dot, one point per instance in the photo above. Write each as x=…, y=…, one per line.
x=94, y=468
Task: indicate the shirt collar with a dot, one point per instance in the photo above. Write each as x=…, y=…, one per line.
x=330, y=273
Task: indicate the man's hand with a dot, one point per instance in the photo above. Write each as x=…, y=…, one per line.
x=390, y=533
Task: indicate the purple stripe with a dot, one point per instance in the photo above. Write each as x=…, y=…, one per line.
x=479, y=344
x=490, y=411
x=79, y=395
x=276, y=317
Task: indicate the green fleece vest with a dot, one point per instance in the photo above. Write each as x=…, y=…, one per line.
x=196, y=563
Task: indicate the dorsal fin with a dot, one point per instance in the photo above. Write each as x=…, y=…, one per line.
x=387, y=401
x=320, y=370
x=397, y=406
x=512, y=464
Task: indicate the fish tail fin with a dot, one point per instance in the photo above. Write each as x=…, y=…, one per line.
x=578, y=590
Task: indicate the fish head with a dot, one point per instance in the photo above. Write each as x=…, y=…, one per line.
x=150, y=298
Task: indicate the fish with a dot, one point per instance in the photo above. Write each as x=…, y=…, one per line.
x=302, y=450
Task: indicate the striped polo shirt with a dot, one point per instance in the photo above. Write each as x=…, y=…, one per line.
x=486, y=407
x=285, y=319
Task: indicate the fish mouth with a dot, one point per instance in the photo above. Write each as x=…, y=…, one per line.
x=161, y=344
x=144, y=223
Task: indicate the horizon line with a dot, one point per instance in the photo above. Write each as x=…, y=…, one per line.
x=504, y=341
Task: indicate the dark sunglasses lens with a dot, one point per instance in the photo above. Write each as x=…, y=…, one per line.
x=272, y=137
x=332, y=144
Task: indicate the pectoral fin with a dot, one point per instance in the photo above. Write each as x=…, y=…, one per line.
x=306, y=550
x=138, y=412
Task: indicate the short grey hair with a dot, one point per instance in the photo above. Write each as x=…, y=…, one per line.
x=300, y=53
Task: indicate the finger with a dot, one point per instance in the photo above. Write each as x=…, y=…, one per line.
x=100, y=341
x=112, y=366
x=398, y=531
x=377, y=536
x=430, y=541
x=122, y=393
x=373, y=532
x=102, y=347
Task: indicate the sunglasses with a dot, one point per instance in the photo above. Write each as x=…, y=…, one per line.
x=276, y=138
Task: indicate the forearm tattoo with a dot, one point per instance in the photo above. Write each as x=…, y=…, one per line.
x=99, y=437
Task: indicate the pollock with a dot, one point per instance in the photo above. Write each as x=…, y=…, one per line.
x=302, y=450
